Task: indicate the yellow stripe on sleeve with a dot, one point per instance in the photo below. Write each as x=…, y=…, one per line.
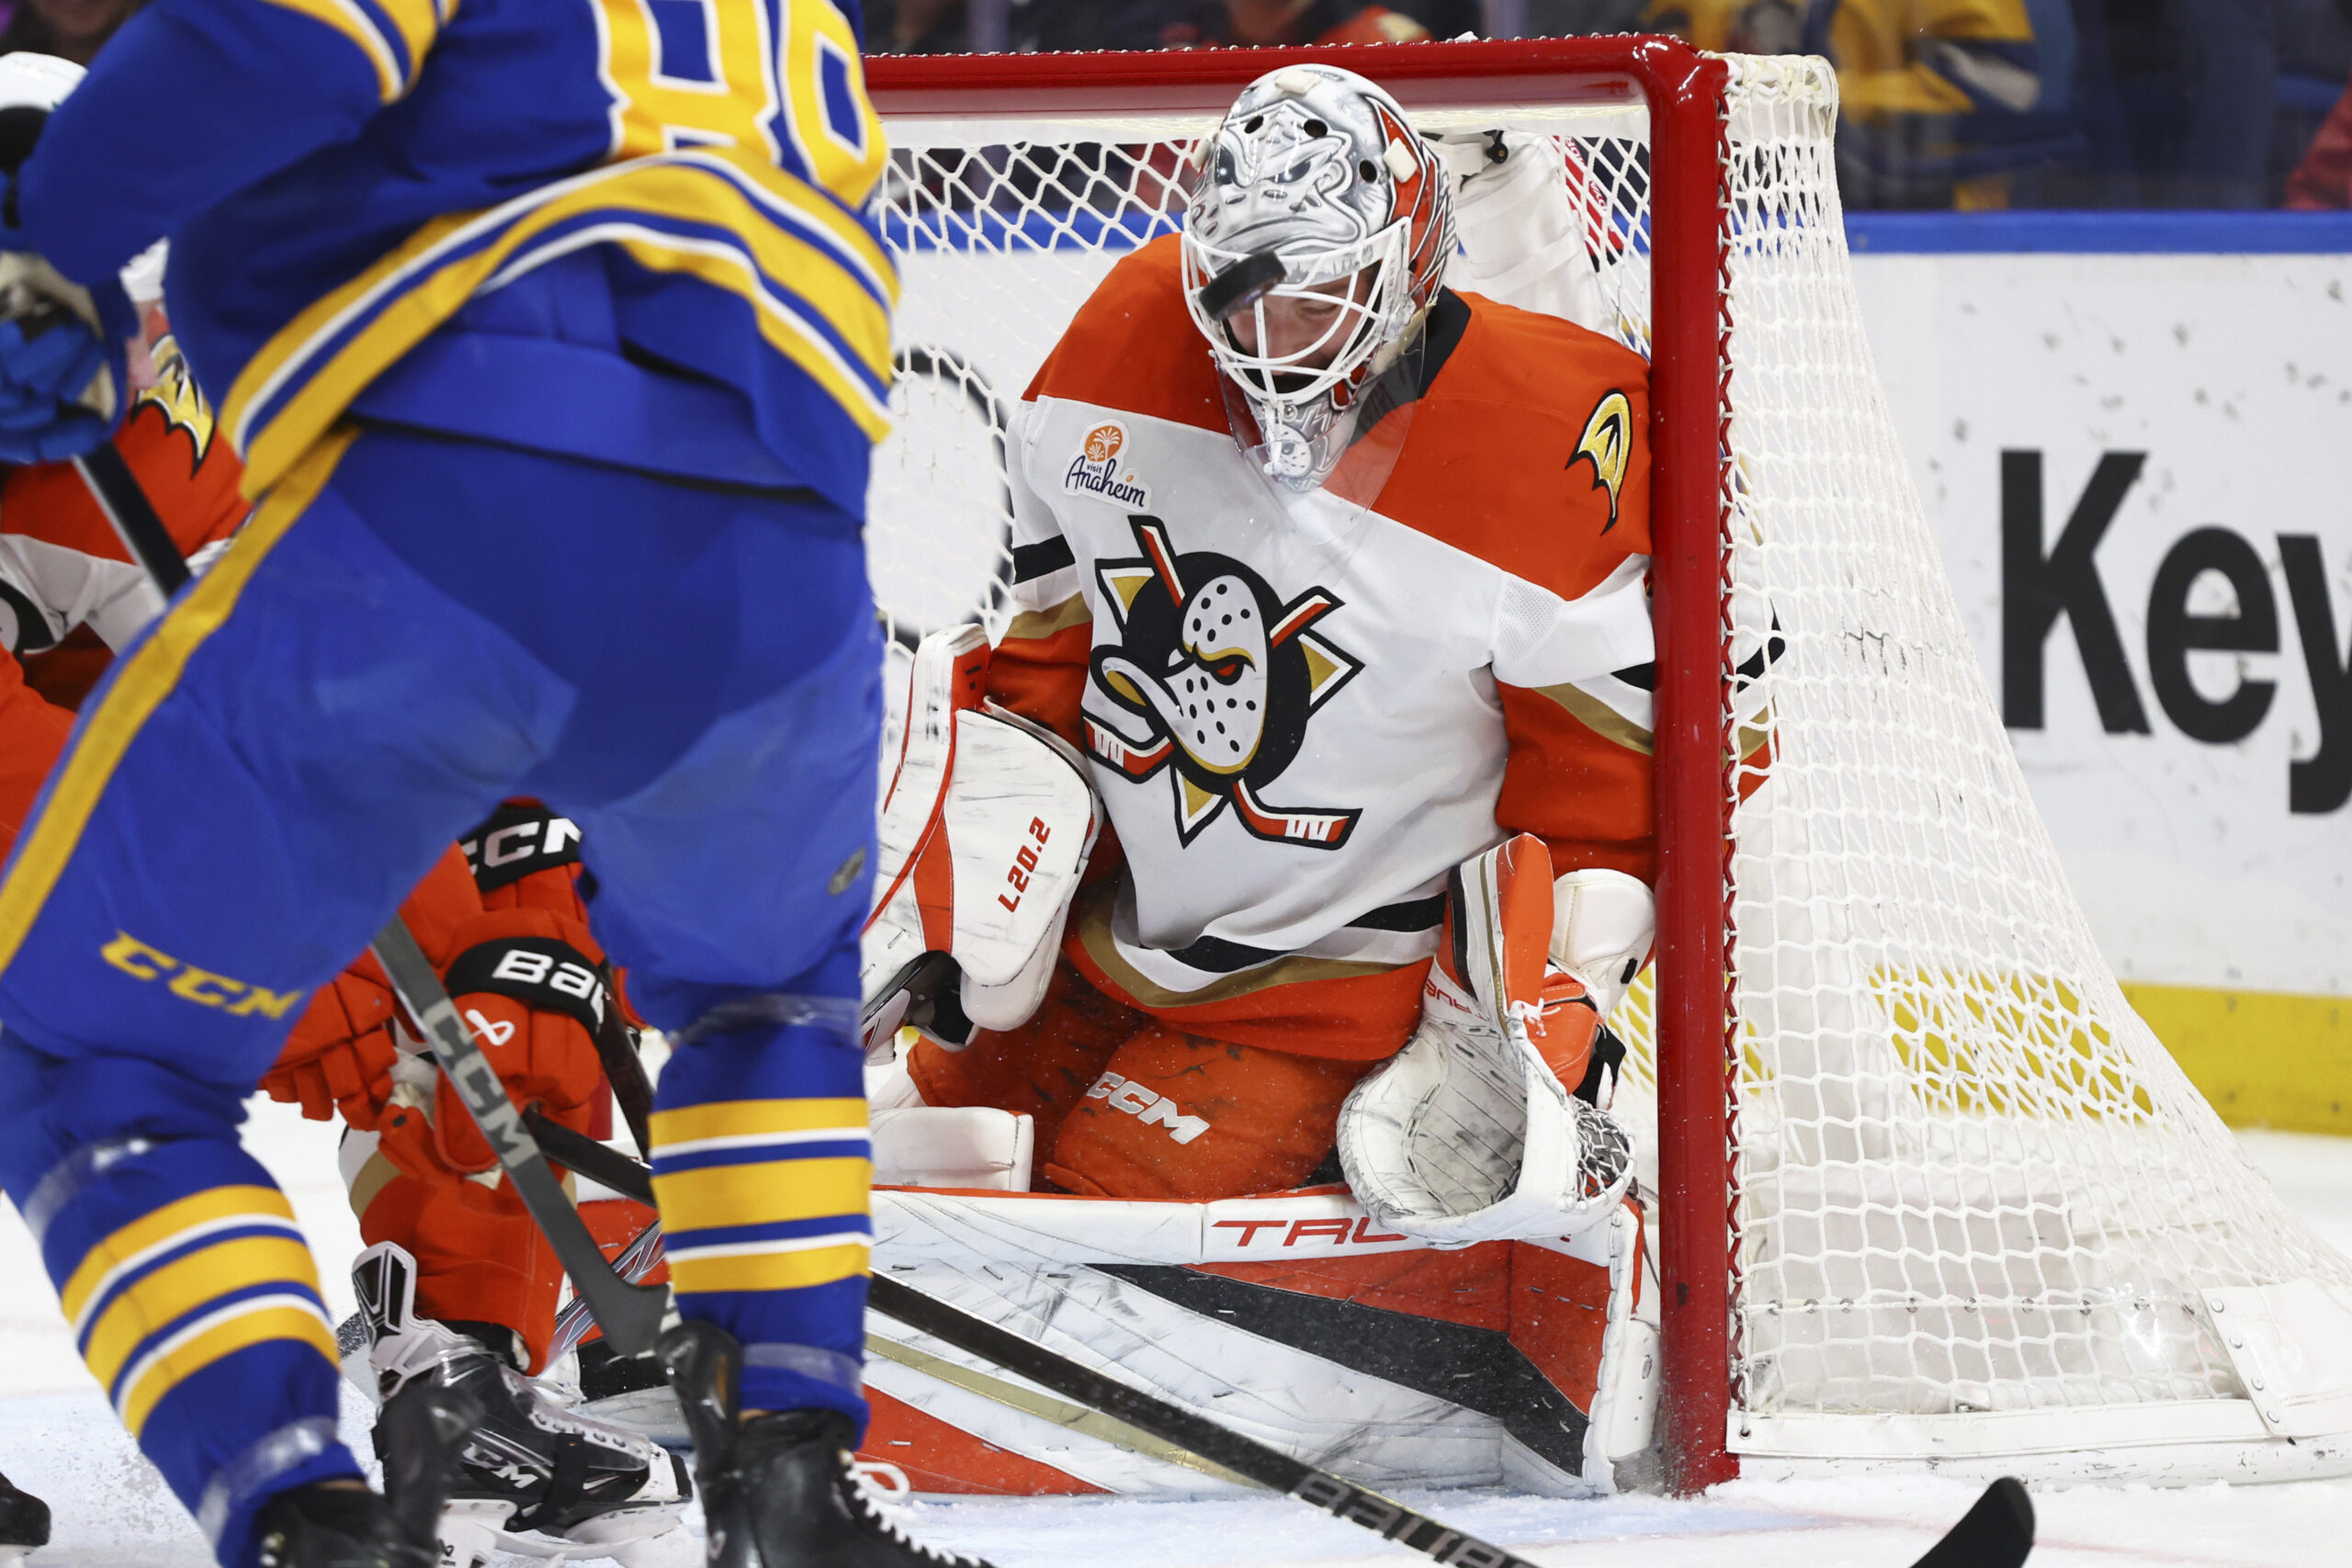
x=353, y=24
x=745, y=1118
x=768, y=1271
x=240, y=1324
x=763, y=1194
x=413, y=290
x=141, y=685
x=419, y=23
x=153, y=1232
x=185, y=1284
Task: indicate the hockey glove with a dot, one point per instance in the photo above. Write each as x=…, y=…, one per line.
x=341, y=1053
x=1473, y=1131
x=526, y=982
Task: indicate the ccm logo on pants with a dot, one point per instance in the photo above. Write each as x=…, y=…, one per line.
x=1156, y=1110
x=202, y=986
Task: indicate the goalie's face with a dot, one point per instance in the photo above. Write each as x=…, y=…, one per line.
x=1304, y=329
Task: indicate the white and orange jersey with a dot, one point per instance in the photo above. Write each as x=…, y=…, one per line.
x=61, y=565
x=1302, y=713
x=64, y=575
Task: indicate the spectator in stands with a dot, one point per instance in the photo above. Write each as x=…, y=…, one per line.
x=2323, y=178
x=71, y=29
x=1934, y=92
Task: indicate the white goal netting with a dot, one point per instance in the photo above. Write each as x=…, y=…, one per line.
x=1979, y=1210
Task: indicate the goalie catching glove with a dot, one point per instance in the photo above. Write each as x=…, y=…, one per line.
x=985, y=826
x=1474, y=1132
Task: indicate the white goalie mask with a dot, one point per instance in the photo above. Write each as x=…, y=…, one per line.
x=1312, y=189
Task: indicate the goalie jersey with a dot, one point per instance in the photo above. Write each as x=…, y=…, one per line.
x=609, y=230
x=1302, y=713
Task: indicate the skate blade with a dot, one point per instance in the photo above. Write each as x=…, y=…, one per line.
x=650, y=1536
x=10, y=1556
x=471, y=1531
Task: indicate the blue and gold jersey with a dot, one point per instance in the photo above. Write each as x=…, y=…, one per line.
x=561, y=222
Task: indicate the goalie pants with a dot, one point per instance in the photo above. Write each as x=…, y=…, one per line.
x=1130, y=1106
x=409, y=630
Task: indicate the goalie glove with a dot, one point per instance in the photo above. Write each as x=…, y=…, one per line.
x=1473, y=1133
x=984, y=831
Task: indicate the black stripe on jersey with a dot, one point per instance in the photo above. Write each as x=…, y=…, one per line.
x=1043, y=559
x=1216, y=955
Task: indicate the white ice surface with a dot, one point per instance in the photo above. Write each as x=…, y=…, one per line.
x=58, y=1440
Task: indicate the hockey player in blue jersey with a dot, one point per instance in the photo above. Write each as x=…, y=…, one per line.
x=554, y=337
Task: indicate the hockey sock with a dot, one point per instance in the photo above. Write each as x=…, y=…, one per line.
x=192, y=1294
x=762, y=1165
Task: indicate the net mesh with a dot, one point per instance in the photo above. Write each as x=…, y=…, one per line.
x=1968, y=1178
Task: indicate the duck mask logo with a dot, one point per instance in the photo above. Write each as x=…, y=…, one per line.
x=1223, y=675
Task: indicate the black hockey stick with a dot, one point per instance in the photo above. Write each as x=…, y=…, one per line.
x=1996, y=1533
x=629, y=1314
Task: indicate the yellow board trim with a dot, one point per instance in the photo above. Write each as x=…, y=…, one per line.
x=225, y=1339
x=768, y=1271
x=749, y=1118
x=162, y=1227
x=183, y=1285
x=2261, y=1058
x=762, y=1194
x=143, y=681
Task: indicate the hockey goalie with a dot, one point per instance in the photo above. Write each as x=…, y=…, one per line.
x=1248, y=916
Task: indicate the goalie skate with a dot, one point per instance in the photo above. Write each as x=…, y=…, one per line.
x=537, y=1476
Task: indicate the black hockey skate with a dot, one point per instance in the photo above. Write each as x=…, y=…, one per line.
x=350, y=1526
x=24, y=1523
x=781, y=1491
x=535, y=1476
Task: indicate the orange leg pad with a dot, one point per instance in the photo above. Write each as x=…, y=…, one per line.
x=1189, y=1119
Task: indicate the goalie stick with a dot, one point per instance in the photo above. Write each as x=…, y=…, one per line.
x=629, y=1314
x=1997, y=1532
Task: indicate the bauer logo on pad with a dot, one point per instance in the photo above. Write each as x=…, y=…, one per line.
x=1095, y=470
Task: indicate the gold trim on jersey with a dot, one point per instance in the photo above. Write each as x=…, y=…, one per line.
x=417, y=23
x=1036, y=626
x=1599, y=716
x=791, y=244
x=141, y=685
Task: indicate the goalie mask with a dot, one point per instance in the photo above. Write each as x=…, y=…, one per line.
x=1314, y=243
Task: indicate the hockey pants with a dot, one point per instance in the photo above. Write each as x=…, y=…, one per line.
x=409, y=630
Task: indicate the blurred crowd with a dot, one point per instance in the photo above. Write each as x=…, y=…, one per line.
x=1947, y=103
x=1965, y=103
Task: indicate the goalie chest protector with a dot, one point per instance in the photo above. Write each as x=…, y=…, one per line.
x=1294, y=706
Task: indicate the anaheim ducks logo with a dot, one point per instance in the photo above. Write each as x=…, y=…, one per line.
x=1608, y=445
x=175, y=394
x=1223, y=675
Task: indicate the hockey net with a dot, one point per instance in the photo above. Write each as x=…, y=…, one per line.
x=1961, y=1206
